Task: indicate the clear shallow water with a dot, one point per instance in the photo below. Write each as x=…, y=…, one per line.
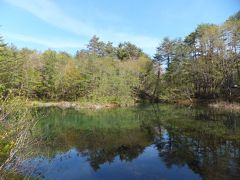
x=148, y=142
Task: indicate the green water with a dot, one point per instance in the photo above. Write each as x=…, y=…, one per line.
x=145, y=142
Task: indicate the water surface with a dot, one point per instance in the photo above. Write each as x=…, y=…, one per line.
x=146, y=142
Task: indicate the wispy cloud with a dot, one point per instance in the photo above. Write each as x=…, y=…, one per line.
x=50, y=12
x=44, y=42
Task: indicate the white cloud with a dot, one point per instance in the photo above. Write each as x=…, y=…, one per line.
x=45, y=42
x=48, y=11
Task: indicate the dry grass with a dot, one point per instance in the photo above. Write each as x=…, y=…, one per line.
x=226, y=106
x=75, y=105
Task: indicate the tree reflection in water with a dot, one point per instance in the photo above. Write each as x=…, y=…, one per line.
x=205, y=140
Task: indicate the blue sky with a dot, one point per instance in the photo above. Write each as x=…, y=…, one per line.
x=69, y=24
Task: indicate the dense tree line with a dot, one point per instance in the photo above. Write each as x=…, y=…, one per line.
x=206, y=64
x=101, y=73
x=203, y=65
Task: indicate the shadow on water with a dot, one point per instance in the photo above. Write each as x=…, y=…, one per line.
x=146, y=142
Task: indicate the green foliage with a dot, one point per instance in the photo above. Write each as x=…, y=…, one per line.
x=93, y=75
x=11, y=73
x=127, y=50
x=165, y=51
x=15, y=119
x=204, y=65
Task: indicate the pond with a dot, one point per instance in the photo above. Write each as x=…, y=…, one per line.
x=145, y=142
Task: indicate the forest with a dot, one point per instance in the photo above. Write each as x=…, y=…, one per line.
x=204, y=65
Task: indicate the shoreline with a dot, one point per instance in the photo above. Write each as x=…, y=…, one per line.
x=225, y=106
x=74, y=105
x=216, y=104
